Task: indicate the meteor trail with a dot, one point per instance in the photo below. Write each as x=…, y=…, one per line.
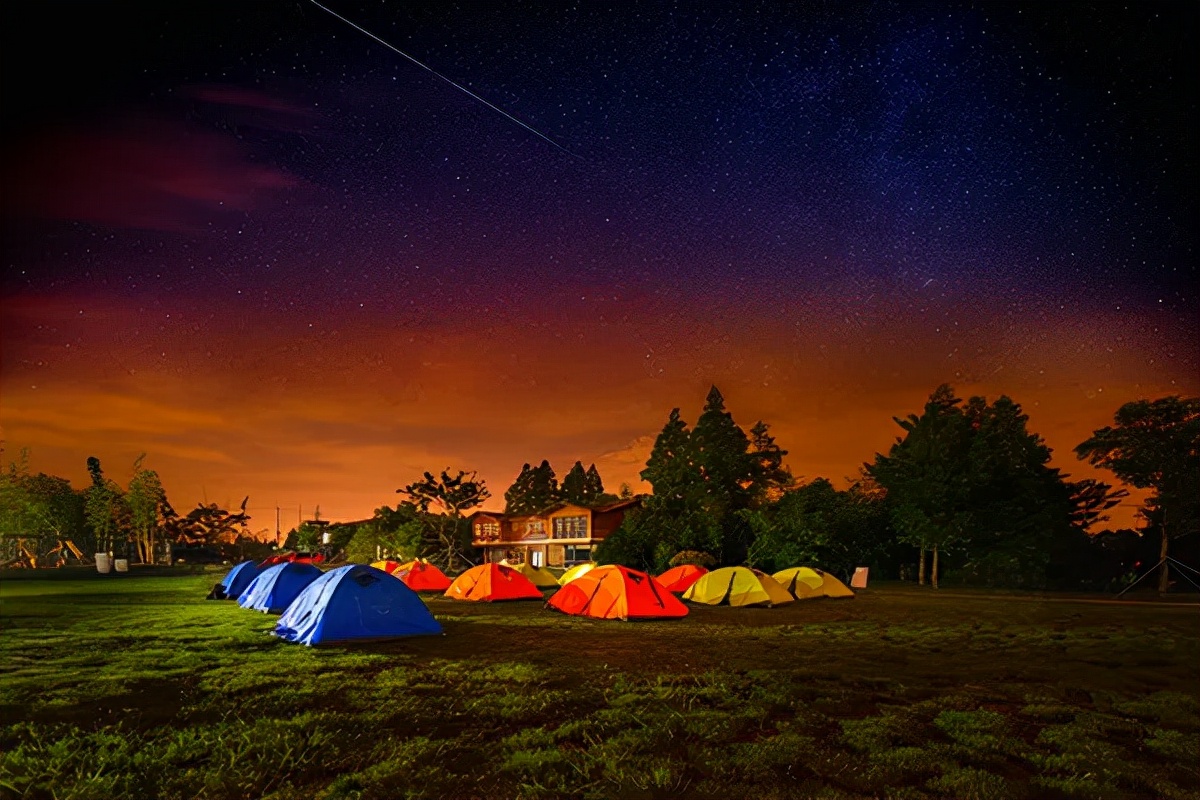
x=460, y=87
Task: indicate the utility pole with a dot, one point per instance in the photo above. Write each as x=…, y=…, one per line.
x=277, y=524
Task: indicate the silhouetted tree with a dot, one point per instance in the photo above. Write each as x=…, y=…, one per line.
x=441, y=501
x=1155, y=444
x=925, y=478
x=574, y=485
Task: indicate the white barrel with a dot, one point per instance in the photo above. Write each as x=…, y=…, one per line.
x=121, y=564
x=103, y=565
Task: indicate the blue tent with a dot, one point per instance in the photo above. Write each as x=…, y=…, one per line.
x=355, y=602
x=277, y=586
x=239, y=578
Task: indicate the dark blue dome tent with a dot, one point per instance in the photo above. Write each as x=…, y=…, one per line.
x=355, y=602
x=236, y=581
x=277, y=586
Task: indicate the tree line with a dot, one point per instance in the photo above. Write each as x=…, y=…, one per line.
x=40, y=513
x=966, y=490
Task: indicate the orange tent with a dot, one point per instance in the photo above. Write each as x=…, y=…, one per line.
x=616, y=592
x=680, y=579
x=421, y=576
x=489, y=582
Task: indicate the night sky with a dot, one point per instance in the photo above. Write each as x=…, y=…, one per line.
x=285, y=261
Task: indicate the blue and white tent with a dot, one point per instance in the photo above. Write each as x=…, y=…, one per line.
x=355, y=602
x=241, y=576
x=277, y=586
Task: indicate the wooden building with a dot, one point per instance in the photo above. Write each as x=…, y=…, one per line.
x=559, y=536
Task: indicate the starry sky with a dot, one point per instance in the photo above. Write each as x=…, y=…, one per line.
x=288, y=262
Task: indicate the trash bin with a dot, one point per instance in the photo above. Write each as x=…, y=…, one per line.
x=103, y=565
x=121, y=564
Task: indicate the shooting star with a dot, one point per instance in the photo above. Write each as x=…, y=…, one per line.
x=458, y=86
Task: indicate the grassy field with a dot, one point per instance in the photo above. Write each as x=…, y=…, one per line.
x=135, y=687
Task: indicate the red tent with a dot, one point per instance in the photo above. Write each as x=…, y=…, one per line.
x=390, y=566
x=489, y=582
x=679, y=579
x=616, y=592
x=423, y=577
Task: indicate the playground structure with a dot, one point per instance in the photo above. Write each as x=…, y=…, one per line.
x=31, y=555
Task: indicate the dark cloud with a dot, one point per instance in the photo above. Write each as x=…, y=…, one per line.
x=147, y=173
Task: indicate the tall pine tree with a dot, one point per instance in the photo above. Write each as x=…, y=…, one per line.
x=574, y=485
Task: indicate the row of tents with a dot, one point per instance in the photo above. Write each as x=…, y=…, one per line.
x=381, y=601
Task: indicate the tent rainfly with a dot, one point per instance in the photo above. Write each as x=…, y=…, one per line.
x=615, y=592
x=236, y=581
x=421, y=576
x=490, y=582
x=355, y=602
x=277, y=586
x=576, y=571
x=738, y=586
x=808, y=582
x=538, y=576
x=680, y=579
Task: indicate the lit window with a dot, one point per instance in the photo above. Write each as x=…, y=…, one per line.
x=570, y=527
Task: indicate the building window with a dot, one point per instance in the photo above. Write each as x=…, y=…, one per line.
x=535, y=530
x=515, y=556
x=576, y=555
x=571, y=527
x=537, y=558
x=487, y=531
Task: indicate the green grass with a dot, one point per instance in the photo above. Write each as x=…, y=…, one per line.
x=136, y=687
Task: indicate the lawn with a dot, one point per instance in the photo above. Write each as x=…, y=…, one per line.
x=134, y=686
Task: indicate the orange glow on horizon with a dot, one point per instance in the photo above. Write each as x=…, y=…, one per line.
x=343, y=417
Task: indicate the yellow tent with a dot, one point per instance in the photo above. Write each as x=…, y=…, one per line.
x=538, y=576
x=575, y=572
x=737, y=586
x=807, y=582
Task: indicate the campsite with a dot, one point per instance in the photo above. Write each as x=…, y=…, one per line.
x=134, y=686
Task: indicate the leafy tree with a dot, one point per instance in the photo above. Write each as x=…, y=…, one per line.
x=38, y=505
x=146, y=499
x=106, y=508
x=817, y=525
x=58, y=508
x=925, y=478
x=1155, y=444
x=450, y=496
x=677, y=515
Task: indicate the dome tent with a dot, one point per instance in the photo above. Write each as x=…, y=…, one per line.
x=355, y=602
x=808, y=582
x=389, y=566
x=538, y=576
x=575, y=572
x=421, y=576
x=615, y=592
x=738, y=586
x=679, y=579
x=236, y=581
x=489, y=582
x=277, y=586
